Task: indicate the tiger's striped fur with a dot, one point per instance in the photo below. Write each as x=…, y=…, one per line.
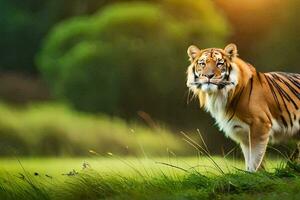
x=251, y=107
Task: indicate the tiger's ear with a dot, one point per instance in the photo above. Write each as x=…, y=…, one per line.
x=231, y=50
x=193, y=51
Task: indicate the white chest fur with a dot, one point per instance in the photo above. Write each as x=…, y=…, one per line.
x=234, y=128
x=216, y=104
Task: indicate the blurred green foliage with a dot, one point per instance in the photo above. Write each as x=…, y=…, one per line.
x=129, y=56
x=25, y=23
x=279, y=51
x=55, y=130
x=119, y=57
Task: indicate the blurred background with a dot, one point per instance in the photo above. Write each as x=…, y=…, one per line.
x=102, y=76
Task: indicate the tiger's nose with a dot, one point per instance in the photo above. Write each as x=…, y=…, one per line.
x=209, y=75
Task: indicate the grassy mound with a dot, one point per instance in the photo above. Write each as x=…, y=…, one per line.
x=55, y=130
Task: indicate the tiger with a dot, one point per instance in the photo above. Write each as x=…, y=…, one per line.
x=252, y=108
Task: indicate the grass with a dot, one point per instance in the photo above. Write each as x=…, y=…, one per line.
x=157, y=178
x=113, y=164
x=55, y=130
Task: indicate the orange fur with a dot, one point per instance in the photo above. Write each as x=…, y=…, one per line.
x=250, y=107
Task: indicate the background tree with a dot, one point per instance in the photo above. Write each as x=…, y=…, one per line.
x=129, y=57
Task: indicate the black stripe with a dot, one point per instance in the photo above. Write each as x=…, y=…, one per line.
x=273, y=92
x=227, y=73
x=234, y=103
x=280, y=91
x=295, y=92
x=251, y=87
x=283, y=121
x=284, y=93
x=259, y=78
x=295, y=78
x=292, y=80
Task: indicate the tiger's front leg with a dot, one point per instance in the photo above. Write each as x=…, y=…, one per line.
x=255, y=147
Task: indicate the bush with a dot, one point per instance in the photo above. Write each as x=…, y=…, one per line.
x=55, y=130
x=129, y=56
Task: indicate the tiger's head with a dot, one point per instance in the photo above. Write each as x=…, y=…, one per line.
x=211, y=70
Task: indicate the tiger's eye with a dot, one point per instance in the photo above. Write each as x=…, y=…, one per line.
x=201, y=63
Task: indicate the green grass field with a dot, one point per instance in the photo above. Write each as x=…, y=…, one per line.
x=144, y=178
x=149, y=165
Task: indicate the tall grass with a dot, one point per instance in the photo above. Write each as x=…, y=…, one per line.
x=51, y=129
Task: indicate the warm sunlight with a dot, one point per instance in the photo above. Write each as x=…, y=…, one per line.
x=148, y=99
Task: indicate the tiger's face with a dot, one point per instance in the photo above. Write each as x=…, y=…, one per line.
x=210, y=68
